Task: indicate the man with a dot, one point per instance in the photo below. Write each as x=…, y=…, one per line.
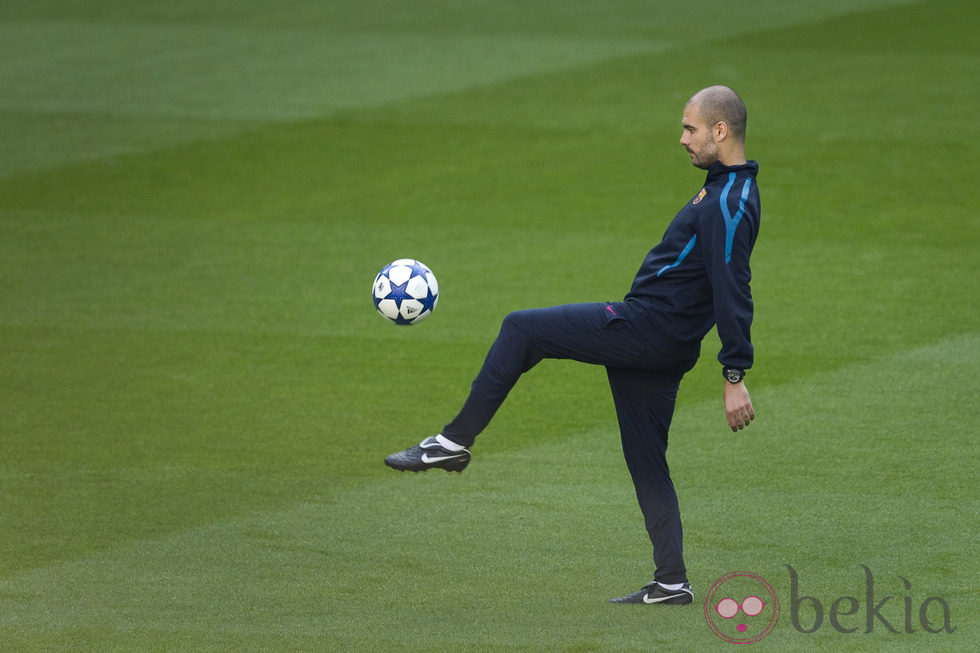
x=698, y=276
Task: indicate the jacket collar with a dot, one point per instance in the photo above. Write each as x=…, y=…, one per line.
x=718, y=169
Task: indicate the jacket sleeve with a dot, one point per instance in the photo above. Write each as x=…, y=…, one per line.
x=729, y=232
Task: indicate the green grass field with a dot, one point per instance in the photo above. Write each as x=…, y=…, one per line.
x=196, y=394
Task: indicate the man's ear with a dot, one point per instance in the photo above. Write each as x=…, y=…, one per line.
x=720, y=131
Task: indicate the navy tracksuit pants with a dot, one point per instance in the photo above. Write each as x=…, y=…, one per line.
x=643, y=380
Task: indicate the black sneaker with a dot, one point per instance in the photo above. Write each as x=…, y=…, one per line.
x=654, y=592
x=426, y=455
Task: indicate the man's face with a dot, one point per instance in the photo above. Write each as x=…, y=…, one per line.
x=697, y=138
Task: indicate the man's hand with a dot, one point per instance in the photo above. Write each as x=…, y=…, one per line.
x=738, y=406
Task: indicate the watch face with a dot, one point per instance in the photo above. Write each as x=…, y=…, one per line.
x=733, y=375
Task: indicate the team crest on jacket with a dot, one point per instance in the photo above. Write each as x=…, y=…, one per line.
x=700, y=196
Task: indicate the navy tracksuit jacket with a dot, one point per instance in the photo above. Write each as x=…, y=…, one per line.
x=696, y=277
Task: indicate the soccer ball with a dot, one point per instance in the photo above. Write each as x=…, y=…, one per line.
x=405, y=291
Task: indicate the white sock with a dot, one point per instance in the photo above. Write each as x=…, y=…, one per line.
x=448, y=444
x=671, y=586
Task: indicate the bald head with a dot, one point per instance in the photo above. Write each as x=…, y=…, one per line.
x=721, y=104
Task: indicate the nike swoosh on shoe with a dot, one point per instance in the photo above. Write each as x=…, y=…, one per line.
x=659, y=599
x=436, y=459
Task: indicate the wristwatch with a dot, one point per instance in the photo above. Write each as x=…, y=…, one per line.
x=733, y=374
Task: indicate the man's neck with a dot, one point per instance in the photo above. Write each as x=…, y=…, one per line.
x=733, y=159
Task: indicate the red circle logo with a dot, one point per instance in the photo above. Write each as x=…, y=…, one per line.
x=741, y=608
